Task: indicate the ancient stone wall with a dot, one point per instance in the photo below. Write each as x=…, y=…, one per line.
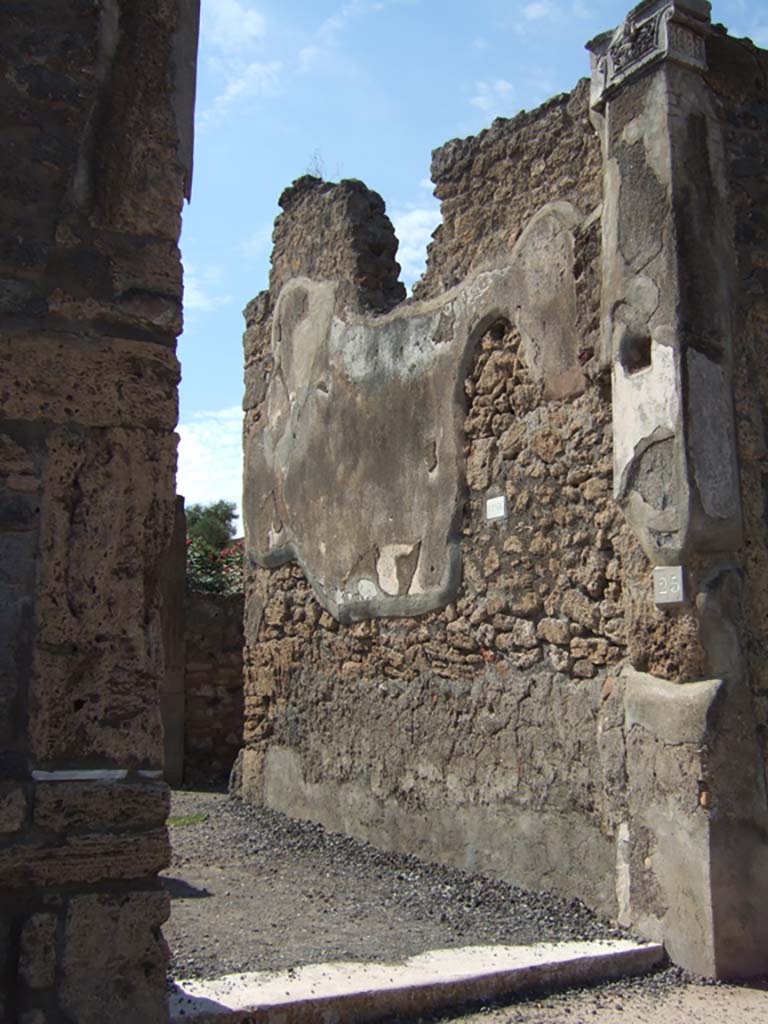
x=513, y=638
x=669, y=97
x=491, y=184
x=213, y=686
x=738, y=74
x=436, y=733
x=94, y=168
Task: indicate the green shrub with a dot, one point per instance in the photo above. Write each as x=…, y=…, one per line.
x=214, y=571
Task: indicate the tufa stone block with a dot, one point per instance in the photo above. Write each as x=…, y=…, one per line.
x=13, y=807
x=115, y=956
x=37, y=953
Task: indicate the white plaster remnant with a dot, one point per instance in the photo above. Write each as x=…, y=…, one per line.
x=644, y=403
x=91, y=774
x=296, y=351
x=401, y=352
x=386, y=566
x=367, y=589
x=275, y=538
x=623, y=877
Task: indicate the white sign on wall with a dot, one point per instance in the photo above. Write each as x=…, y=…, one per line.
x=496, y=508
x=668, y=585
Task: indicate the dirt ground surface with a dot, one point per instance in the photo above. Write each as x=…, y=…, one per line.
x=666, y=998
x=253, y=890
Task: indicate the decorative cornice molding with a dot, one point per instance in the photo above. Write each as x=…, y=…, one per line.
x=654, y=31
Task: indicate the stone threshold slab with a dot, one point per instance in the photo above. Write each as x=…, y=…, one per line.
x=353, y=993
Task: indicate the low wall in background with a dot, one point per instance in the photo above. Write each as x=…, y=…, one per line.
x=213, y=686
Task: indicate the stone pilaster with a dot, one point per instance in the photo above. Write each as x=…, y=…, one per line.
x=692, y=849
x=668, y=282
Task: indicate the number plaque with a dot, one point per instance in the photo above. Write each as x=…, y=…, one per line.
x=668, y=585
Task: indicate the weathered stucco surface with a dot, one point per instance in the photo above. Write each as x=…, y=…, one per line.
x=505, y=693
x=94, y=169
x=354, y=468
x=434, y=732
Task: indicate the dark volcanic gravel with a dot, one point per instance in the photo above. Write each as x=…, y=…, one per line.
x=254, y=890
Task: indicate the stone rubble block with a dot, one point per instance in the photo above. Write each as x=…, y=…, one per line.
x=85, y=858
x=81, y=806
x=37, y=956
x=122, y=966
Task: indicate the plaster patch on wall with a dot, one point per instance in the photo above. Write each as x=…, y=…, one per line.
x=645, y=404
x=400, y=348
x=387, y=566
x=623, y=878
x=367, y=589
x=361, y=444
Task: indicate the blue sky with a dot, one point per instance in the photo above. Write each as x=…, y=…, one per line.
x=357, y=89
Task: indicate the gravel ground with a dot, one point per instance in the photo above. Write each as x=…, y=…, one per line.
x=254, y=890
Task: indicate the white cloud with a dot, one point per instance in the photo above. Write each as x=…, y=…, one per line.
x=309, y=58
x=254, y=79
x=202, y=290
x=231, y=25
x=334, y=25
x=211, y=457
x=414, y=228
x=492, y=95
x=321, y=53
x=258, y=244
x=540, y=10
